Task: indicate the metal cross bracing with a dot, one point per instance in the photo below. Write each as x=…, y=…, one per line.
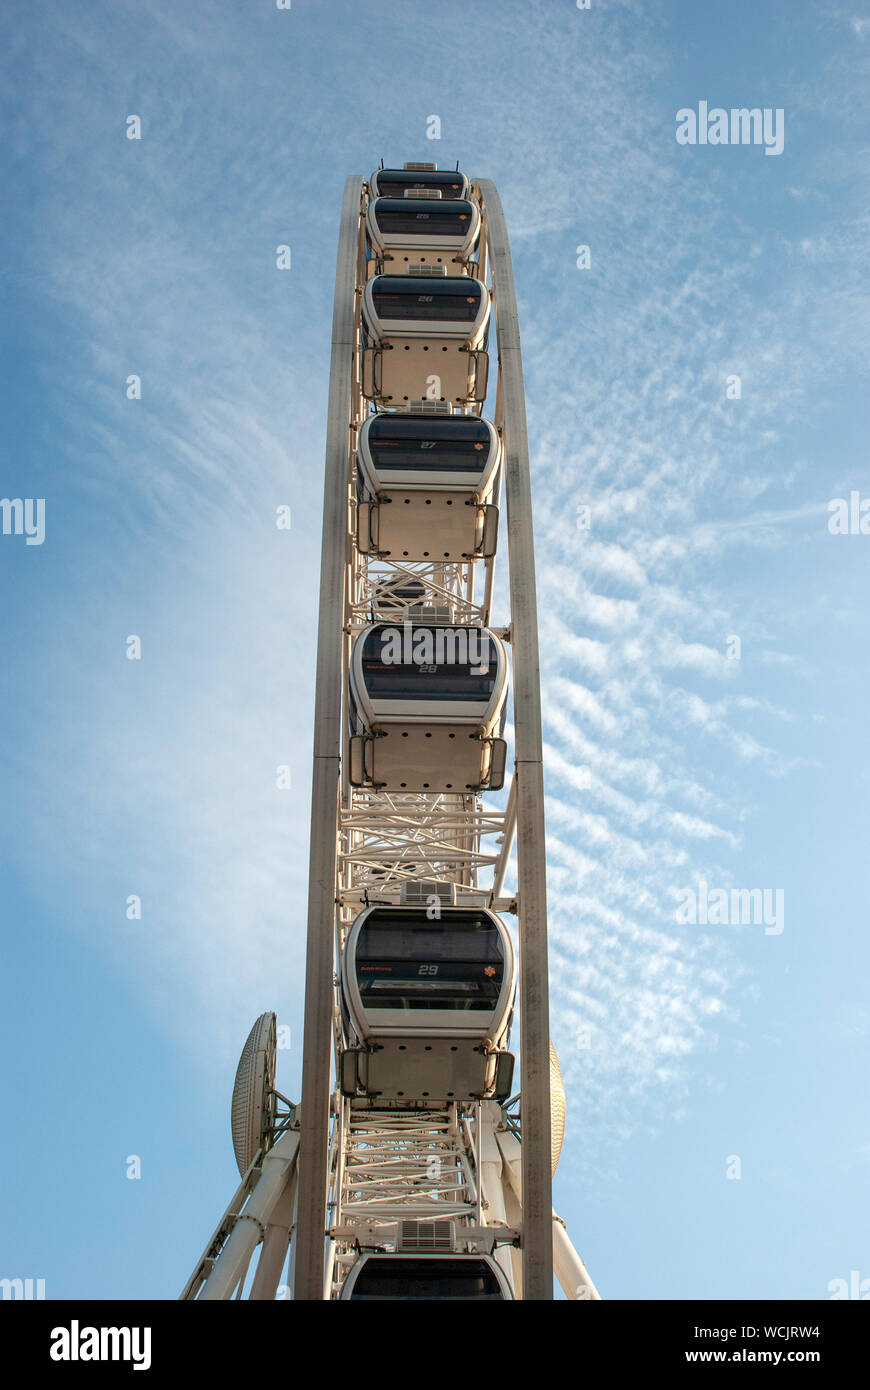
x=359, y=1173
x=395, y=838
x=374, y=584
x=422, y=1168
x=414, y=1160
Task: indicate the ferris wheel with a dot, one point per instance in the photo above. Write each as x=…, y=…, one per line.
x=412, y=1167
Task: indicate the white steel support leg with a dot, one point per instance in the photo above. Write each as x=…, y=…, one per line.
x=528, y=775
x=570, y=1269
x=253, y=1221
x=330, y=1266
x=317, y=1055
x=275, y=1243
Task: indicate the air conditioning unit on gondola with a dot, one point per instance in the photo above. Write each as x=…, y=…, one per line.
x=425, y=1238
x=420, y=893
x=429, y=613
x=425, y=407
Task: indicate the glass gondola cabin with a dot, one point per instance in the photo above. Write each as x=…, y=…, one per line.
x=408, y=232
x=423, y=179
x=425, y=339
x=427, y=708
x=427, y=1004
x=425, y=486
x=434, y=1277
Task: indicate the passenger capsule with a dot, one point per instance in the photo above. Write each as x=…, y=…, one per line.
x=427, y=1004
x=425, y=486
x=423, y=178
x=427, y=708
x=407, y=232
x=425, y=339
x=435, y=1277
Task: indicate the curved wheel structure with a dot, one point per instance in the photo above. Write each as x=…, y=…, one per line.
x=399, y=1155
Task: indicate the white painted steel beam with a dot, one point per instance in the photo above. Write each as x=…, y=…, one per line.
x=570, y=1269
x=254, y=1220
x=317, y=1053
x=528, y=774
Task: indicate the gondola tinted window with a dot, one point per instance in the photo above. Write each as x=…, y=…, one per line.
x=393, y=182
x=457, y=963
x=406, y=1278
x=397, y=297
x=411, y=662
x=458, y=446
x=423, y=217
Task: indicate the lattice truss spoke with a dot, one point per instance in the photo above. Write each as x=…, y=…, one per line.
x=385, y=590
x=398, y=1167
x=418, y=1161
x=390, y=839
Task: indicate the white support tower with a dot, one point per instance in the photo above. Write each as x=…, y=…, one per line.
x=362, y=1172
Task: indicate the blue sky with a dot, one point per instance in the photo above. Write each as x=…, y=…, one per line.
x=667, y=761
